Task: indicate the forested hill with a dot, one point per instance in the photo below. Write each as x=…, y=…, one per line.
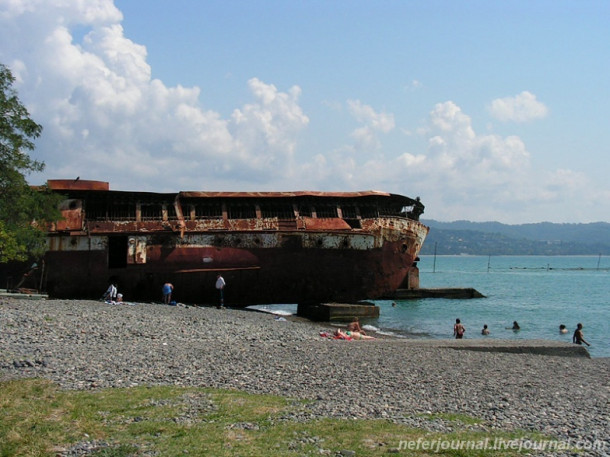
x=495, y=238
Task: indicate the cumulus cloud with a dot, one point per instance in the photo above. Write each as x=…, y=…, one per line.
x=520, y=108
x=382, y=122
x=366, y=136
x=103, y=112
x=462, y=173
x=106, y=118
x=455, y=145
x=268, y=128
x=490, y=177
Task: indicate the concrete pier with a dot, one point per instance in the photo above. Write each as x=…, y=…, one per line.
x=453, y=292
x=540, y=347
x=31, y=295
x=337, y=311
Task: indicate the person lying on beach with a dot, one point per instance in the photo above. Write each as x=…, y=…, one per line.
x=341, y=335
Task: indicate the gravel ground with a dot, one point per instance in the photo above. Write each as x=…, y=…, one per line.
x=90, y=345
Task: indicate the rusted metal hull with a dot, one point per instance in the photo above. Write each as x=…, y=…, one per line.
x=286, y=273
x=270, y=247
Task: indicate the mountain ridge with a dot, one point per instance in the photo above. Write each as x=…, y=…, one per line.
x=496, y=238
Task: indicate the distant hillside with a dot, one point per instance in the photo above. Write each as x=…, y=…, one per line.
x=495, y=238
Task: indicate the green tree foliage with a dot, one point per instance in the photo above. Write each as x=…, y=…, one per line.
x=23, y=209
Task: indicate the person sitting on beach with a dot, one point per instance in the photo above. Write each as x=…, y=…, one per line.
x=485, y=330
x=354, y=326
x=578, y=337
x=563, y=329
x=458, y=330
x=110, y=294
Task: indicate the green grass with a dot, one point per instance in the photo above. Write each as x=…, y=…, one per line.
x=39, y=419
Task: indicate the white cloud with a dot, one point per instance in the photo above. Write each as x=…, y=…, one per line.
x=520, y=108
x=367, y=136
x=455, y=145
x=102, y=112
x=105, y=118
x=267, y=129
x=463, y=174
x=365, y=114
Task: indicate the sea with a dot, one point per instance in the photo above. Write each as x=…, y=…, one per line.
x=538, y=292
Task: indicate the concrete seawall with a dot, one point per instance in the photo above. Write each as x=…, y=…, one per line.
x=540, y=347
x=443, y=292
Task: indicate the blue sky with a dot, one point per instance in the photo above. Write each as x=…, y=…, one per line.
x=487, y=110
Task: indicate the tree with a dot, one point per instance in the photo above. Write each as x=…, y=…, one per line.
x=23, y=209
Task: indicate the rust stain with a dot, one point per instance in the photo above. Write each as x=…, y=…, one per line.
x=311, y=223
x=204, y=194
x=76, y=184
x=272, y=247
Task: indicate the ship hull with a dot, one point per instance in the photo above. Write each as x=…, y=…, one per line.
x=270, y=247
x=298, y=268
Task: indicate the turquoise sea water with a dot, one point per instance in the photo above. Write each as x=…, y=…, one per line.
x=538, y=292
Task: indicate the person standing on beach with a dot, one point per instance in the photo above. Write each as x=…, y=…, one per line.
x=458, y=330
x=220, y=285
x=167, y=289
x=578, y=337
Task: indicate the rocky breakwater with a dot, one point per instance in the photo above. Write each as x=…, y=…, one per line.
x=89, y=345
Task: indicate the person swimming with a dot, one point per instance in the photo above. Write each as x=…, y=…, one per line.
x=515, y=326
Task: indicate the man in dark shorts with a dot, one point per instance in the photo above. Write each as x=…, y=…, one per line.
x=578, y=337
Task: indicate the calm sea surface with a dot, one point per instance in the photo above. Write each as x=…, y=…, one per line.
x=538, y=292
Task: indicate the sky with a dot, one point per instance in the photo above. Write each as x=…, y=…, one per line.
x=486, y=110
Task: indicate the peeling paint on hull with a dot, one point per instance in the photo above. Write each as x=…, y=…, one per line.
x=304, y=258
x=284, y=274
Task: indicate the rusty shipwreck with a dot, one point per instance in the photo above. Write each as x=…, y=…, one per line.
x=271, y=247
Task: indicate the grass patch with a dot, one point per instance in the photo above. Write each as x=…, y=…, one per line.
x=39, y=419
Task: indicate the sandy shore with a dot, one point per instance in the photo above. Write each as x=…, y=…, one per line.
x=88, y=345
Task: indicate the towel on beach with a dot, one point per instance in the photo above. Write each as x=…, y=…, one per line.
x=332, y=336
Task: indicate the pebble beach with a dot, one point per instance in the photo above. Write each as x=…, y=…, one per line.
x=82, y=344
